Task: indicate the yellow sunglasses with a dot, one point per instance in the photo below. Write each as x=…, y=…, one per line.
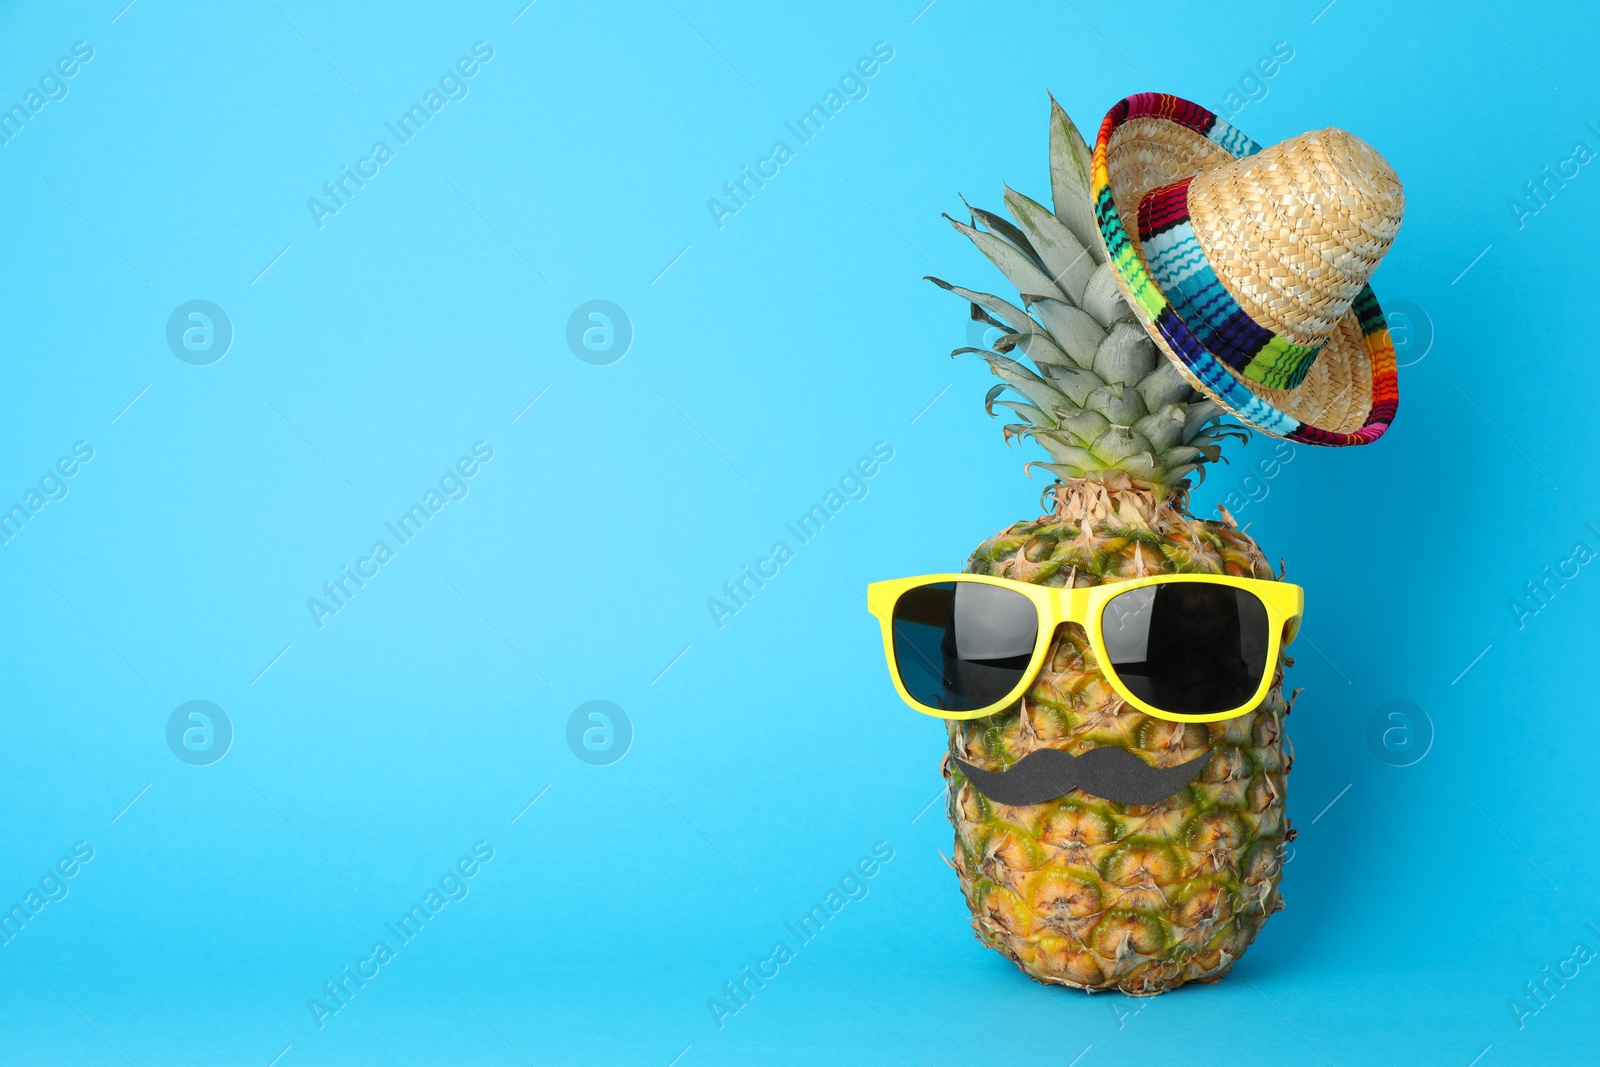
x=1181, y=647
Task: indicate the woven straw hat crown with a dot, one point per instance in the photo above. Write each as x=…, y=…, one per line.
x=1295, y=231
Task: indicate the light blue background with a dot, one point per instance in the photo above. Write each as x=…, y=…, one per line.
x=430, y=711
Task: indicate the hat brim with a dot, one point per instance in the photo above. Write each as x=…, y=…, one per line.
x=1349, y=395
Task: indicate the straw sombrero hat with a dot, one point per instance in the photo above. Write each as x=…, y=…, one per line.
x=1249, y=266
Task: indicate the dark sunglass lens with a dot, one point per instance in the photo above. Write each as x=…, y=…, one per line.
x=1190, y=648
x=960, y=646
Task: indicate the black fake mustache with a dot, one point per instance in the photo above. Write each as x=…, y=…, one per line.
x=1112, y=774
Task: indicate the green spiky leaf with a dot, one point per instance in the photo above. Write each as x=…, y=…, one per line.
x=1075, y=331
x=1075, y=383
x=1069, y=182
x=1001, y=225
x=1019, y=377
x=1103, y=298
x=1122, y=406
x=1041, y=348
x=1008, y=312
x=1019, y=268
x=1164, y=386
x=1163, y=428
x=1127, y=355
x=1062, y=254
x=1034, y=416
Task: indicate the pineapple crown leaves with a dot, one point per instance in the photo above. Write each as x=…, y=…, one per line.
x=1098, y=397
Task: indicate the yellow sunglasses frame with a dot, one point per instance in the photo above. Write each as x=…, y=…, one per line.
x=1285, y=604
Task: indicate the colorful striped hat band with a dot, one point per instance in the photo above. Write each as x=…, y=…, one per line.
x=1249, y=266
x=1180, y=267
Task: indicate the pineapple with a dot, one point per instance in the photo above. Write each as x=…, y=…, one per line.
x=1081, y=891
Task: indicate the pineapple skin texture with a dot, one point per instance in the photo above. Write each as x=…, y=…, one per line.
x=1087, y=893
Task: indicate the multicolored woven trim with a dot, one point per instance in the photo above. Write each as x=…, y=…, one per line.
x=1206, y=367
x=1179, y=265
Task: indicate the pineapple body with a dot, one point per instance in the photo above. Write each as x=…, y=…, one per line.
x=1082, y=891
